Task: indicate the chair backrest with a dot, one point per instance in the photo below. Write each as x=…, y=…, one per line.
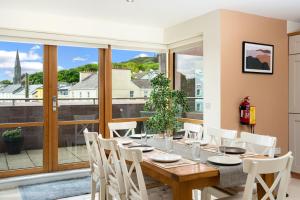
x=95, y=160
x=111, y=163
x=216, y=134
x=256, y=167
x=190, y=128
x=260, y=144
x=133, y=190
x=129, y=127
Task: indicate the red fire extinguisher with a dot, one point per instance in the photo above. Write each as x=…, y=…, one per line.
x=245, y=111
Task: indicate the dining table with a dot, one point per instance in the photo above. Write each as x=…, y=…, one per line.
x=189, y=175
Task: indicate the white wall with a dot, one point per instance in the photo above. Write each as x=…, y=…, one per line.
x=209, y=26
x=293, y=26
x=102, y=30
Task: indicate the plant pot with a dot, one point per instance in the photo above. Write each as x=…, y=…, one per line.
x=14, y=145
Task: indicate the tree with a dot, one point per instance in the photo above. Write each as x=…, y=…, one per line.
x=166, y=103
x=6, y=82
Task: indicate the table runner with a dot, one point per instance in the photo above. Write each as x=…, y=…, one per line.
x=230, y=176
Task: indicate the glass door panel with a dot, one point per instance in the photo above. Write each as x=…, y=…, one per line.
x=21, y=106
x=77, y=100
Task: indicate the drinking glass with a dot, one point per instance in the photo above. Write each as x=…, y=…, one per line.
x=196, y=151
x=144, y=138
x=169, y=143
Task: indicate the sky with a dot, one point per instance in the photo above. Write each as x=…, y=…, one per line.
x=31, y=57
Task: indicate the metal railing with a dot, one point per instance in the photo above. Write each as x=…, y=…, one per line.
x=93, y=100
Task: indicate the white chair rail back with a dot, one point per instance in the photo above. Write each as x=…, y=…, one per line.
x=96, y=164
x=134, y=190
x=255, y=167
x=113, y=173
x=115, y=127
x=260, y=144
x=215, y=135
x=190, y=128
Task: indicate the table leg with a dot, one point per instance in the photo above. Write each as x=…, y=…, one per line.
x=269, y=179
x=182, y=191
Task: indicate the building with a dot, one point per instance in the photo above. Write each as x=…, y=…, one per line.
x=17, y=70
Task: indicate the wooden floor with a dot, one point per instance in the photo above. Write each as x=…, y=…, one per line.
x=34, y=158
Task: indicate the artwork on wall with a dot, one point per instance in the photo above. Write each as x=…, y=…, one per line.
x=258, y=58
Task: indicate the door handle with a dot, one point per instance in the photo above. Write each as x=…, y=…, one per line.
x=54, y=103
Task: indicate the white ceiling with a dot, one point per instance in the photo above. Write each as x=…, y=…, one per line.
x=153, y=13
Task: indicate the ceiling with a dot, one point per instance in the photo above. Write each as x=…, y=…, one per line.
x=153, y=13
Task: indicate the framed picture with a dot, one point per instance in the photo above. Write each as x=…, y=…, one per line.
x=258, y=58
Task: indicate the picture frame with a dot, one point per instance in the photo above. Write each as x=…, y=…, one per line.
x=258, y=58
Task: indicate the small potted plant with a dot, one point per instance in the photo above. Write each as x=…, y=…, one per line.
x=13, y=140
x=167, y=105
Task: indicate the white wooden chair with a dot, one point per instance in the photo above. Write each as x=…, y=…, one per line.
x=96, y=165
x=115, y=183
x=215, y=135
x=255, y=167
x=259, y=144
x=190, y=128
x=136, y=190
x=115, y=127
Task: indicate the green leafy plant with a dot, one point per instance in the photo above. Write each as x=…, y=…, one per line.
x=12, y=134
x=166, y=103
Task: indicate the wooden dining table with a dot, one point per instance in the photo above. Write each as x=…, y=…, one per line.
x=183, y=179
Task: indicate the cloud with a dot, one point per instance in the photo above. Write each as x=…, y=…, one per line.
x=60, y=67
x=28, y=59
x=141, y=55
x=36, y=47
x=30, y=62
x=79, y=59
x=94, y=62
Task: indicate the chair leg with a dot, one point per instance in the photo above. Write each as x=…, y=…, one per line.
x=102, y=189
x=205, y=195
x=196, y=195
x=93, y=187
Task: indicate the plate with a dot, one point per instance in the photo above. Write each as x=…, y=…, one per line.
x=125, y=142
x=232, y=150
x=139, y=136
x=165, y=158
x=224, y=160
x=202, y=142
x=143, y=148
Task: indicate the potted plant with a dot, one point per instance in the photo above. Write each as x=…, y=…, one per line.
x=166, y=105
x=13, y=140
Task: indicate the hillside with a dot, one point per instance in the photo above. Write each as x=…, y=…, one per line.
x=72, y=75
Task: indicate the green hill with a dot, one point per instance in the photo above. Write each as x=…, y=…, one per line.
x=72, y=75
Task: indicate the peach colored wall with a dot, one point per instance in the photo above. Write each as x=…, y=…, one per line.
x=269, y=93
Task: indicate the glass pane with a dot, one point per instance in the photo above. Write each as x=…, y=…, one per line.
x=21, y=82
x=189, y=78
x=71, y=144
x=77, y=83
x=21, y=152
x=131, y=75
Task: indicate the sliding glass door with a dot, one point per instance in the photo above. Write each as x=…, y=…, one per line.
x=23, y=108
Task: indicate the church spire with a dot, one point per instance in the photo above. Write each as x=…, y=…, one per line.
x=17, y=73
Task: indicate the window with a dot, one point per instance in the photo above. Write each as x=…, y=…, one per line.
x=198, y=107
x=188, y=74
x=131, y=94
x=131, y=75
x=21, y=103
x=145, y=93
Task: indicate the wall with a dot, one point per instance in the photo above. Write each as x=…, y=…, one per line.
x=269, y=93
x=63, y=28
x=293, y=27
x=209, y=26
